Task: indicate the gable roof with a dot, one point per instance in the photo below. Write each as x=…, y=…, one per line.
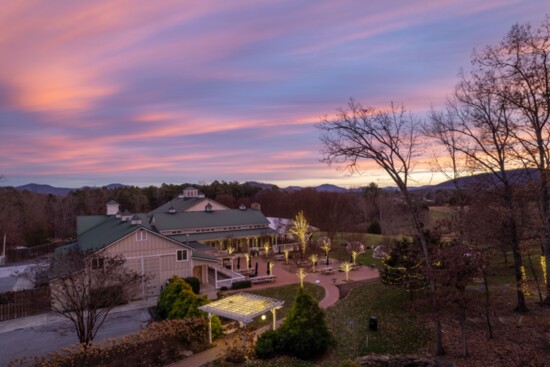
x=107, y=229
x=202, y=219
x=179, y=204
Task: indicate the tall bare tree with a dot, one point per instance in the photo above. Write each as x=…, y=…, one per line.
x=86, y=287
x=520, y=66
x=484, y=132
x=389, y=138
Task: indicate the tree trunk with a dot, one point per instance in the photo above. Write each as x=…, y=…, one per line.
x=516, y=251
x=462, y=322
x=545, y=197
x=439, y=350
x=487, y=304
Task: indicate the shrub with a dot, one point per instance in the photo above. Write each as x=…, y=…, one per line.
x=178, y=301
x=242, y=284
x=374, y=228
x=161, y=343
x=348, y=363
x=266, y=345
x=195, y=284
x=304, y=333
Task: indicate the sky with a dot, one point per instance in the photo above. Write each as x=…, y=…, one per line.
x=152, y=92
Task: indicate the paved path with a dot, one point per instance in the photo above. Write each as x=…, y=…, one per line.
x=285, y=275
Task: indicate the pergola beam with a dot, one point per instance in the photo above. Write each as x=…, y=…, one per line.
x=242, y=307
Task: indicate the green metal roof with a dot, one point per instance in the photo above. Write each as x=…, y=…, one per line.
x=179, y=204
x=107, y=231
x=204, y=256
x=212, y=236
x=203, y=219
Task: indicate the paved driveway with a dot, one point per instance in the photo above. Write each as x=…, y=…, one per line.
x=57, y=334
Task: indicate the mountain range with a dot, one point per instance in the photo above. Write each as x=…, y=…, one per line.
x=517, y=176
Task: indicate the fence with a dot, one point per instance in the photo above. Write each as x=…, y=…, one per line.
x=24, y=303
x=17, y=254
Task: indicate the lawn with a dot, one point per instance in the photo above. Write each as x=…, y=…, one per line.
x=285, y=293
x=399, y=332
x=369, y=240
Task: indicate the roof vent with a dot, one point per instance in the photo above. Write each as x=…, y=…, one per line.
x=172, y=210
x=242, y=207
x=208, y=208
x=118, y=215
x=136, y=219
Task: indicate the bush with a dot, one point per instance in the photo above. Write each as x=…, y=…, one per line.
x=266, y=345
x=374, y=228
x=178, y=301
x=161, y=343
x=348, y=363
x=304, y=333
x=242, y=284
x=195, y=284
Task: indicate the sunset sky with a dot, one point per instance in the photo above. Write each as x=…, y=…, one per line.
x=146, y=92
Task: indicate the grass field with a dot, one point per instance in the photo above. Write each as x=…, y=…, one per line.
x=399, y=332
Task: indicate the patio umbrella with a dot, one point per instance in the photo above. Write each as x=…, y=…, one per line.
x=250, y=262
x=256, y=270
x=239, y=263
x=268, y=266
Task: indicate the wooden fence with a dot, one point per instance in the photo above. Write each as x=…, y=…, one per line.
x=24, y=303
x=15, y=255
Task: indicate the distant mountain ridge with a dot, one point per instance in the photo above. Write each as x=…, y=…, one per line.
x=60, y=191
x=516, y=176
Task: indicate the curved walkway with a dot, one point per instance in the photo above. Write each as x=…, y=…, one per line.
x=284, y=277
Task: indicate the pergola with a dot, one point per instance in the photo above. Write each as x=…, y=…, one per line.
x=243, y=308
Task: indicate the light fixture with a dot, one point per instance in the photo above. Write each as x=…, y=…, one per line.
x=263, y=317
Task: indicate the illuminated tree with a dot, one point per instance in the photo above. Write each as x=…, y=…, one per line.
x=286, y=251
x=300, y=230
x=266, y=248
x=301, y=274
x=326, y=248
x=346, y=268
x=313, y=259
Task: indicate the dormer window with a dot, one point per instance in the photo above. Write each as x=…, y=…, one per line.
x=208, y=208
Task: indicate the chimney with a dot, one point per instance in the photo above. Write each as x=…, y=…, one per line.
x=112, y=207
x=256, y=206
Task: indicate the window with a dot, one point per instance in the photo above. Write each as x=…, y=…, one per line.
x=181, y=255
x=141, y=235
x=98, y=263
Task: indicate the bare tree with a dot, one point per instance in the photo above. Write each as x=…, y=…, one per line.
x=388, y=138
x=85, y=288
x=520, y=66
x=483, y=128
